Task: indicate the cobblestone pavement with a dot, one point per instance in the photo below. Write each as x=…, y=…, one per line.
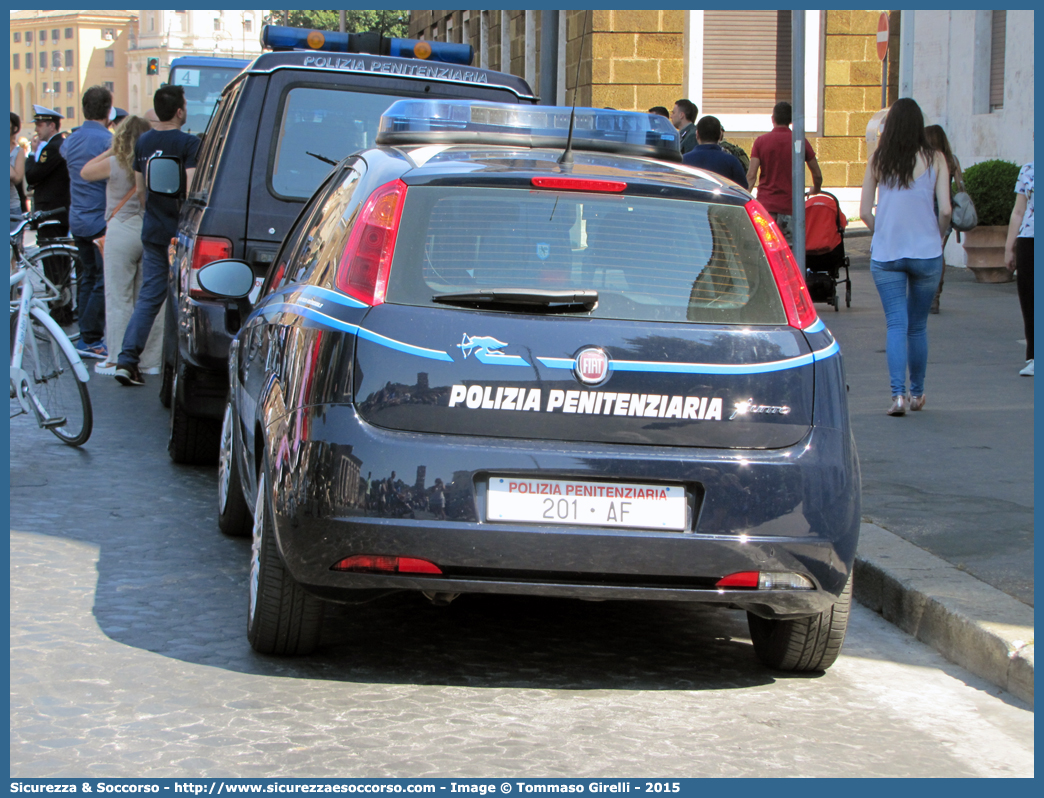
x=129, y=658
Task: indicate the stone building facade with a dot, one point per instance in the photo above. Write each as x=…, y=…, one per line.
x=57, y=55
x=636, y=59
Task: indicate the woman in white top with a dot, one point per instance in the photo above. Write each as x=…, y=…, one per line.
x=122, y=256
x=906, y=262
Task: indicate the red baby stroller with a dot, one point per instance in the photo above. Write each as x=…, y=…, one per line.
x=825, y=250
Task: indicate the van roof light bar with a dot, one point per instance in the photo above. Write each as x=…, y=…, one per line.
x=428, y=122
x=278, y=37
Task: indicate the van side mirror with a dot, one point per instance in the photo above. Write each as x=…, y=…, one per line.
x=163, y=175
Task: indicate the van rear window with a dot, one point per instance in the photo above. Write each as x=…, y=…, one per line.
x=650, y=259
x=327, y=122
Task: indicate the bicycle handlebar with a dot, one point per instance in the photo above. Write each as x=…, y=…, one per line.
x=34, y=219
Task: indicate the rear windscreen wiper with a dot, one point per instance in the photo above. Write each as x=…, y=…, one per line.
x=322, y=158
x=549, y=300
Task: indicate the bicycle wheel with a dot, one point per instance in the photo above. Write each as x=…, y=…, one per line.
x=56, y=392
x=63, y=267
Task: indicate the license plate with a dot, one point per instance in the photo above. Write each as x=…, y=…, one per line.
x=559, y=501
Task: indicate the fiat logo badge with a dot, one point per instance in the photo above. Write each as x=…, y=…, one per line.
x=591, y=366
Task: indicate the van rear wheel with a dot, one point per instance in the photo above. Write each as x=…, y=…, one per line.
x=802, y=644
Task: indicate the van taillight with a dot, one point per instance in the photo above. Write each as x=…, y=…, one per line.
x=366, y=262
x=789, y=280
x=206, y=249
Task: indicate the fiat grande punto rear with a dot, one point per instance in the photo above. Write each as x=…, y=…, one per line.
x=482, y=367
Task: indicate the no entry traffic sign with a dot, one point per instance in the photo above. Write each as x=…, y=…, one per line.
x=882, y=35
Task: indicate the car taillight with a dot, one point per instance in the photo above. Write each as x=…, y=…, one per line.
x=789, y=280
x=766, y=580
x=579, y=184
x=206, y=249
x=378, y=563
x=366, y=262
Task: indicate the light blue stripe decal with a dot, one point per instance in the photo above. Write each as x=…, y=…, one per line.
x=362, y=332
x=333, y=296
x=829, y=351
x=818, y=326
x=410, y=349
x=498, y=359
x=703, y=368
x=556, y=362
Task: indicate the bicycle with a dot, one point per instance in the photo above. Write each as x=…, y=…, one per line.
x=60, y=258
x=48, y=378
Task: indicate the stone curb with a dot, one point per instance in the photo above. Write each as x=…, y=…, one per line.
x=969, y=622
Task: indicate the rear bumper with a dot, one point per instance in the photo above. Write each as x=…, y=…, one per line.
x=794, y=509
x=203, y=344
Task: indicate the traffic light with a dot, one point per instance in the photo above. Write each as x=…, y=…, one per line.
x=152, y=66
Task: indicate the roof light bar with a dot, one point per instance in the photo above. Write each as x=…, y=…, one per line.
x=278, y=37
x=479, y=122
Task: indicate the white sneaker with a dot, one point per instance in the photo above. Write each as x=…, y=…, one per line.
x=151, y=370
x=105, y=367
x=1027, y=371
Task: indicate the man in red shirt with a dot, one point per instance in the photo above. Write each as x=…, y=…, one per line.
x=771, y=154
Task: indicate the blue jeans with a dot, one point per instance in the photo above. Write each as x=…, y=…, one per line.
x=907, y=288
x=154, y=275
x=90, y=296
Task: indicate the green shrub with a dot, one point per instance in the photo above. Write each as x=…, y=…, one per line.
x=991, y=185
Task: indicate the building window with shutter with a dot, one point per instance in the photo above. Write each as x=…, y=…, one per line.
x=15, y=59
x=28, y=37
x=997, y=47
x=18, y=36
x=29, y=61
x=56, y=59
x=248, y=24
x=746, y=61
x=68, y=33
x=68, y=59
x=110, y=85
x=738, y=65
x=110, y=58
x=55, y=35
x=70, y=112
x=69, y=87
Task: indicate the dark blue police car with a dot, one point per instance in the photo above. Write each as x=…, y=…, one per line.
x=484, y=363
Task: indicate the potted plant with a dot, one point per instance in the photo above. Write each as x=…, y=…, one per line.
x=991, y=185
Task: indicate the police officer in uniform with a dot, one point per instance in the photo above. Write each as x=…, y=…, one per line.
x=47, y=175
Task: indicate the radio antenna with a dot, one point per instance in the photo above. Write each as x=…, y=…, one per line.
x=567, y=156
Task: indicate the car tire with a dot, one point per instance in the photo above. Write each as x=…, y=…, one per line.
x=233, y=513
x=281, y=617
x=192, y=441
x=802, y=644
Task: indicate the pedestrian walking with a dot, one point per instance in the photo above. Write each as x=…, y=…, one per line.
x=87, y=217
x=1018, y=255
x=937, y=139
x=47, y=176
x=123, y=247
x=708, y=153
x=908, y=177
x=159, y=224
x=683, y=117
x=770, y=155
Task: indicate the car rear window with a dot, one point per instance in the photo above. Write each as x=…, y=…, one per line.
x=649, y=258
x=328, y=122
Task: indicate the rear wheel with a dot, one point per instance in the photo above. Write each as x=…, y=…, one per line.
x=802, y=644
x=233, y=513
x=282, y=618
x=63, y=267
x=54, y=389
x=192, y=441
